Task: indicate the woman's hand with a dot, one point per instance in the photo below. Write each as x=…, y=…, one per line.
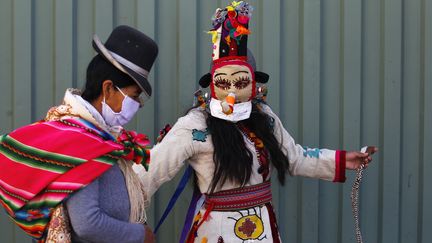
x=355, y=159
x=149, y=236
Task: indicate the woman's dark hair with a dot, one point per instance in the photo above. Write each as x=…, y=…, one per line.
x=233, y=160
x=99, y=70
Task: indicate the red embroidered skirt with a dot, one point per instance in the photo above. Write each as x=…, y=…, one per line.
x=243, y=213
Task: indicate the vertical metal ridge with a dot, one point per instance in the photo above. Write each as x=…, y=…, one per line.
x=401, y=116
x=301, y=133
x=33, y=61
x=74, y=44
x=421, y=118
x=381, y=119
x=341, y=109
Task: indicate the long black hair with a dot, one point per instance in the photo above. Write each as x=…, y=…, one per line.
x=99, y=70
x=233, y=160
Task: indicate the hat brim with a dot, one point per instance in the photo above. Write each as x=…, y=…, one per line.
x=205, y=80
x=261, y=77
x=141, y=81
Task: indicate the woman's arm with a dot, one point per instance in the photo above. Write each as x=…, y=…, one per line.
x=91, y=223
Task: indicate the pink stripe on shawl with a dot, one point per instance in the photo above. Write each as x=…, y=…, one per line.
x=63, y=139
x=18, y=177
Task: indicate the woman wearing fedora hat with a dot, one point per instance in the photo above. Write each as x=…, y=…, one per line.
x=233, y=142
x=76, y=179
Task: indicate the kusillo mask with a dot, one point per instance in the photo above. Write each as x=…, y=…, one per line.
x=234, y=76
x=229, y=37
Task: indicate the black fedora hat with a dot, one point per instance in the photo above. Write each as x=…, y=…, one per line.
x=130, y=51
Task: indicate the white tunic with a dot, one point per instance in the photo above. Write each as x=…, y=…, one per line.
x=189, y=142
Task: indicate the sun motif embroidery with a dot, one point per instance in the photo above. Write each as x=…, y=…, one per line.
x=199, y=135
x=249, y=227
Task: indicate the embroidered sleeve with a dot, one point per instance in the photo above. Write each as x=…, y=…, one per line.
x=168, y=156
x=340, y=166
x=305, y=161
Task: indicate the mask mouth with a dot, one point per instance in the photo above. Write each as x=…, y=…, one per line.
x=241, y=111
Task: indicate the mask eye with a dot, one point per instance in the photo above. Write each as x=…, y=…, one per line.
x=242, y=82
x=222, y=83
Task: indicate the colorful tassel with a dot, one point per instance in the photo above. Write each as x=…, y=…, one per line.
x=214, y=34
x=136, y=147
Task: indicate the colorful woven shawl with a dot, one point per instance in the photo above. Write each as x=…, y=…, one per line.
x=44, y=163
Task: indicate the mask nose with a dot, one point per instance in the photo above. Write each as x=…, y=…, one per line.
x=232, y=89
x=228, y=104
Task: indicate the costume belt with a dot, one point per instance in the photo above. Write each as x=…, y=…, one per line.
x=239, y=198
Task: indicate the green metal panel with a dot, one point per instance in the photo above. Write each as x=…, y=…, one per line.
x=343, y=73
x=331, y=70
x=310, y=95
x=87, y=20
x=411, y=99
x=290, y=111
x=6, y=227
x=370, y=128
x=6, y=66
x=44, y=64
x=425, y=213
x=390, y=104
x=350, y=100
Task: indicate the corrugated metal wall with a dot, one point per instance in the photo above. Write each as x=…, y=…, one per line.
x=344, y=73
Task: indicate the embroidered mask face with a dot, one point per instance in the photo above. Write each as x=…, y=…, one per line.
x=235, y=79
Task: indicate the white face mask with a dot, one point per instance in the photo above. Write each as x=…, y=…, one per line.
x=241, y=111
x=128, y=110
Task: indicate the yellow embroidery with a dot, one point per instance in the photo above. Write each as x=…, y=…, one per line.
x=249, y=227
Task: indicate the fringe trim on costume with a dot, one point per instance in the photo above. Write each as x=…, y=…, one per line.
x=137, y=198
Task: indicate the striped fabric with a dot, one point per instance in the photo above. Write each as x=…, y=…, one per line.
x=239, y=198
x=44, y=163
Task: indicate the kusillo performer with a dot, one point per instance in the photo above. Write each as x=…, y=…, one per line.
x=232, y=142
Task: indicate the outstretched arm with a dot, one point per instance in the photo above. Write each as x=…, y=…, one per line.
x=324, y=164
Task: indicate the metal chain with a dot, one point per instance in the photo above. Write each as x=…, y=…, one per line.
x=355, y=202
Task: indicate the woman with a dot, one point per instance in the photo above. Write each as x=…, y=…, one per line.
x=233, y=144
x=85, y=155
